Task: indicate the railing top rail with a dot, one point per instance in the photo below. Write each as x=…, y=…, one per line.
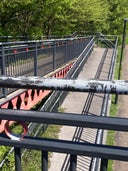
x=43, y=41
x=90, y=85
x=108, y=35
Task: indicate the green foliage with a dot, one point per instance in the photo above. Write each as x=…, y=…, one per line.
x=118, y=11
x=48, y=17
x=3, y=151
x=32, y=158
x=126, y=37
x=89, y=14
x=9, y=165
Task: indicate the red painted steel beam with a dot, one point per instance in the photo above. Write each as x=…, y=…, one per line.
x=29, y=98
x=26, y=100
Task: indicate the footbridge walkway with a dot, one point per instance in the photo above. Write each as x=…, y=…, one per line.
x=98, y=66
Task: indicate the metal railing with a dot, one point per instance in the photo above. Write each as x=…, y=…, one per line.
x=104, y=152
x=107, y=40
x=62, y=146
x=56, y=98
x=56, y=95
x=38, y=58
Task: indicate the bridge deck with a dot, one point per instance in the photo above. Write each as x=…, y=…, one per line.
x=77, y=102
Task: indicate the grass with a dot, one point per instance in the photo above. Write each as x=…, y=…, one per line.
x=32, y=158
x=111, y=134
x=126, y=37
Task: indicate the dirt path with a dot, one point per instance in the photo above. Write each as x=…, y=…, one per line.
x=121, y=138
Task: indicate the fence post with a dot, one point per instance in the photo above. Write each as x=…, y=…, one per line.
x=65, y=51
x=35, y=59
x=123, y=46
x=54, y=55
x=73, y=44
x=122, y=50
x=17, y=159
x=2, y=67
x=104, y=164
x=44, y=155
x=73, y=162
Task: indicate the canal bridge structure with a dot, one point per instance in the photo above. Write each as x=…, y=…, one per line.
x=21, y=68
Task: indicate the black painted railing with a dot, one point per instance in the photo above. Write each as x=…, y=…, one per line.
x=104, y=152
x=38, y=57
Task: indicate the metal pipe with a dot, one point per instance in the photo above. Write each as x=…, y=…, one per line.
x=90, y=85
x=17, y=159
x=123, y=46
x=63, y=146
x=76, y=120
x=35, y=60
x=73, y=162
x=104, y=164
x=44, y=155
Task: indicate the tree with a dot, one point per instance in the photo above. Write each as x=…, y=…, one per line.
x=48, y=17
x=55, y=17
x=89, y=15
x=19, y=17
x=118, y=11
x=7, y=14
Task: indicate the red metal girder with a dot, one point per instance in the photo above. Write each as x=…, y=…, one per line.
x=29, y=98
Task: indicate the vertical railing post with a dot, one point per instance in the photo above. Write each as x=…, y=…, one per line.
x=2, y=67
x=123, y=46
x=17, y=152
x=73, y=48
x=54, y=55
x=44, y=155
x=73, y=162
x=104, y=164
x=122, y=50
x=35, y=59
x=78, y=46
x=65, y=51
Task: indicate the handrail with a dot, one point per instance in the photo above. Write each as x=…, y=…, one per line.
x=62, y=146
x=90, y=85
x=108, y=123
